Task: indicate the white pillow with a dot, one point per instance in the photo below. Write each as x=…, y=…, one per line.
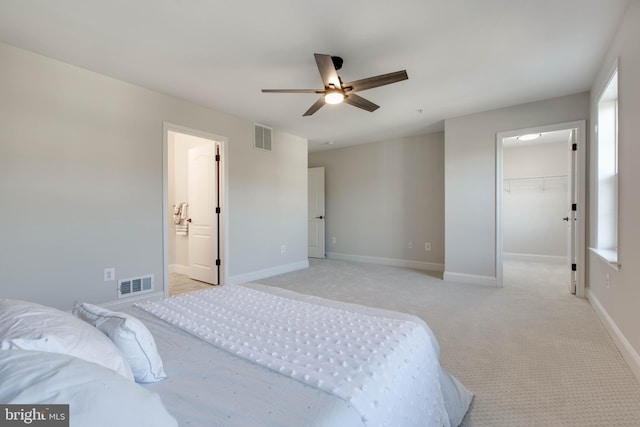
x=130, y=336
x=96, y=396
x=29, y=326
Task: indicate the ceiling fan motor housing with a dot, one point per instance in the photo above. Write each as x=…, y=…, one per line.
x=337, y=62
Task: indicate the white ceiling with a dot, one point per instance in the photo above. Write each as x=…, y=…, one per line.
x=462, y=56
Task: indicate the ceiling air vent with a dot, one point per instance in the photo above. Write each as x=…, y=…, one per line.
x=262, y=137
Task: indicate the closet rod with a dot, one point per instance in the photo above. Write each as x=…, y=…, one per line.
x=527, y=178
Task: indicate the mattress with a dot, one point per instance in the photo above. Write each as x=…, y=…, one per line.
x=210, y=386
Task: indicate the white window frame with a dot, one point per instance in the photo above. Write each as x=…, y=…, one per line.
x=607, y=216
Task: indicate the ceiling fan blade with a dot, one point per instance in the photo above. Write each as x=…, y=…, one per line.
x=360, y=102
x=315, y=107
x=381, y=80
x=292, y=91
x=327, y=71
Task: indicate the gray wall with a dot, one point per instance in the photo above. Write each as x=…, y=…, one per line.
x=470, y=174
x=533, y=208
x=381, y=196
x=618, y=302
x=81, y=183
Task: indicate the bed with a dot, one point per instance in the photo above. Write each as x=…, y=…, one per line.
x=214, y=375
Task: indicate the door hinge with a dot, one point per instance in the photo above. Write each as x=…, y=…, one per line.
x=217, y=157
x=218, y=261
x=574, y=267
x=218, y=209
x=574, y=147
x=574, y=206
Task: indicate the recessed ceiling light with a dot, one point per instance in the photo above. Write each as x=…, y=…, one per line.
x=529, y=137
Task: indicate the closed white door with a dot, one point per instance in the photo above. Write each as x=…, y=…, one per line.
x=316, y=213
x=203, y=230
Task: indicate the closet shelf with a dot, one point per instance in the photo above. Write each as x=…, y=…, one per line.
x=543, y=182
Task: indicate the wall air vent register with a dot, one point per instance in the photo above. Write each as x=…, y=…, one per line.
x=135, y=286
x=262, y=137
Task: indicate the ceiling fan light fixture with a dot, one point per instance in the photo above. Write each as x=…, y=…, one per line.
x=529, y=137
x=334, y=97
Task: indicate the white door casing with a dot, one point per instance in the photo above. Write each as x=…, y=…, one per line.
x=202, y=192
x=170, y=130
x=316, y=220
x=571, y=214
x=577, y=190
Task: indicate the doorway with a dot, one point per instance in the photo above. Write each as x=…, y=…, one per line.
x=540, y=193
x=194, y=232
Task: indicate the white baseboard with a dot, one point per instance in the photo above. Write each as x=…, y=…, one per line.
x=420, y=265
x=536, y=258
x=628, y=353
x=267, y=272
x=473, y=279
x=178, y=268
x=129, y=301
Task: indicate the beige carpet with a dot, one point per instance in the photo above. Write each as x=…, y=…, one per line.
x=533, y=354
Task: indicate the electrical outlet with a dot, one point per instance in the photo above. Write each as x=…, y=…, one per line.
x=427, y=246
x=283, y=249
x=109, y=274
x=333, y=240
x=608, y=281
x=410, y=245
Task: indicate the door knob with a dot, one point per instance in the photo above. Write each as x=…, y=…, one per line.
x=566, y=218
x=189, y=220
x=319, y=217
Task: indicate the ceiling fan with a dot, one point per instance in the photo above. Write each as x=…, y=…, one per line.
x=335, y=91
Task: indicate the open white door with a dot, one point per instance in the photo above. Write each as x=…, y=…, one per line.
x=316, y=213
x=203, y=228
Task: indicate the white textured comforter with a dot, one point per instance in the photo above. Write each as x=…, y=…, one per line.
x=387, y=369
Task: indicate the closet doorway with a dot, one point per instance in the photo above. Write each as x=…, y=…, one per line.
x=194, y=232
x=540, y=202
